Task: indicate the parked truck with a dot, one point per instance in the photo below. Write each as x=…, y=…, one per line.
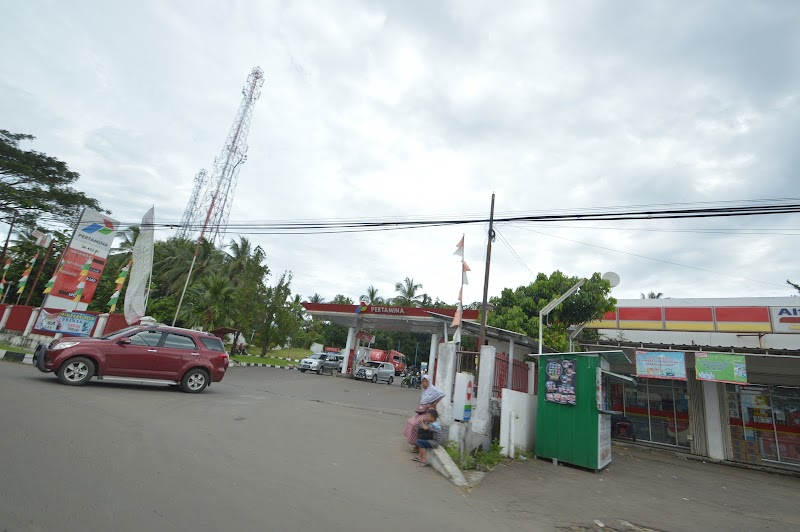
x=395, y=358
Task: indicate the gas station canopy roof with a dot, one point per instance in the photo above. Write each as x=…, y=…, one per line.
x=387, y=318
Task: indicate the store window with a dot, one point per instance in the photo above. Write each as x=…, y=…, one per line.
x=764, y=423
x=658, y=409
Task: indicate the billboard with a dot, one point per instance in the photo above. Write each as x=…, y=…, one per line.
x=90, y=245
x=721, y=367
x=67, y=323
x=661, y=365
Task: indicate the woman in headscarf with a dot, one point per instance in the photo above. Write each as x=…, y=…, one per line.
x=430, y=396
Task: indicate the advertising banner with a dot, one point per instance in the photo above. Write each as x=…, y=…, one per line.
x=560, y=381
x=661, y=365
x=139, y=280
x=67, y=323
x=91, y=242
x=721, y=367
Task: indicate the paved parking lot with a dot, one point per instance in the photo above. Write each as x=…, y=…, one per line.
x=271, y=449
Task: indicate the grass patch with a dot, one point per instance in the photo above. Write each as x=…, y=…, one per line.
x=16, y=349
x=261, y=360
x=480, y=459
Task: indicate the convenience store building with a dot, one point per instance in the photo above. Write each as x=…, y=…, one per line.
x=719, y=378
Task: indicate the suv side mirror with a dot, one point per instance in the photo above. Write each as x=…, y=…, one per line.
x=124, y=341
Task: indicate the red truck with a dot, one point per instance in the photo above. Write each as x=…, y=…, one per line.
x=395, y=358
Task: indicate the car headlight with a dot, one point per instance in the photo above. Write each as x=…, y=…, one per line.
x=369, y=373
x=63, y=345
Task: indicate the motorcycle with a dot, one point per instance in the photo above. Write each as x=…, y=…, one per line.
x=621, y=427
x=411, y=380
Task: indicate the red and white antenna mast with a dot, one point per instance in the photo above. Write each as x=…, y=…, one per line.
x=218, y=197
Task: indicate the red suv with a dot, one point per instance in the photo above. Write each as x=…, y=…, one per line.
x=192, y=359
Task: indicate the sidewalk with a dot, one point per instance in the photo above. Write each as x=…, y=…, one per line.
x=642, y=489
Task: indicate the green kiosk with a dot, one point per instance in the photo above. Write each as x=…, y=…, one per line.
x=572, y=424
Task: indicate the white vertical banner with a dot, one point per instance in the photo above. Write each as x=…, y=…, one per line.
x=139, y=278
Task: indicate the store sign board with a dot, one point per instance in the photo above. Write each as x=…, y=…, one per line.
x=661, y=365
x=560, y=385
x=785, y=319
x=721, y=367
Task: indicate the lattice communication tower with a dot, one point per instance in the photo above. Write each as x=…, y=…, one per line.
x=213, y=210
x=193, y=217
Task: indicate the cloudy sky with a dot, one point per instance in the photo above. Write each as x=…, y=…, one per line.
x=402, y=109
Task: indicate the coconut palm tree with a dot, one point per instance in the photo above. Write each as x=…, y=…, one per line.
x=372, y=296
x=652, y=295
x=316, y=298
x=407, y=293
x=209, y=303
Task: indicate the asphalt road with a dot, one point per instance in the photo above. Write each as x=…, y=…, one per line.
x=266, y=449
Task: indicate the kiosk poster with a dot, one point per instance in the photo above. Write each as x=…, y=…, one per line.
x=721, y=367
x=661, y=365
x=67, y=323
x=560, y=381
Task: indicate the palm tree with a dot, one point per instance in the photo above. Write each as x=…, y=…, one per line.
x=407, y=293
x=175, y=258
x=209, y=303
x=652, y=295
x=128, y=236
x=243, y=258
x=372, y=296
x=316, y=298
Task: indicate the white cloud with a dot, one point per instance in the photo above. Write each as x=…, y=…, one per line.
x=387, y=110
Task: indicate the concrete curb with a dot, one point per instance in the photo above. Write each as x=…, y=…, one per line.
x=251, y=365
x=16, y=356
x=441, y=462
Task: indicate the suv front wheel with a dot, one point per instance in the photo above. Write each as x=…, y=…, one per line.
x=76, y=371
x=195, y=381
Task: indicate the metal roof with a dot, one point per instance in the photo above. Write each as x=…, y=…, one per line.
x=495, y=333
x=385, y=317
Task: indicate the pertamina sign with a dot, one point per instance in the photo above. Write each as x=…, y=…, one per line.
x=90, y=245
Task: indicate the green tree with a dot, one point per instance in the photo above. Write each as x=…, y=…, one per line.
x=342, y=300
x=316, y=298
x=407, y=293
x=652, y=295
x=33, y=183
x=21, y=250
x=274, y=329
x=372, y=296
x=518, y=310
x=208, y=303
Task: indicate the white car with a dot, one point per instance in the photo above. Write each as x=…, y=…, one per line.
x=319, y=362
x=376, y=371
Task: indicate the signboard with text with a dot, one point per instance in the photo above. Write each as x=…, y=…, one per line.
x=721, y=367
x=91, y=243
x=560, y=382
x=661, y=365
x=67, y=323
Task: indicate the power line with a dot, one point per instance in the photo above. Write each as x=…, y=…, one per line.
x=652, y=258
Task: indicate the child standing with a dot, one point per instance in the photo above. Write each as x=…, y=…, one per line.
x=429, y=436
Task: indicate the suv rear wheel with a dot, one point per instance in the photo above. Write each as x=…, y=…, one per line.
x=195, y=381
x=76, y=371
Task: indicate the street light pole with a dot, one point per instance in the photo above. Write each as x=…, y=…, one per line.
x=553, y=304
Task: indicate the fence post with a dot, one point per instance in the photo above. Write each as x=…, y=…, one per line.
x=4, y=319
x=432, y=357
x=31, y=321
x=531, y=378
x=102, y=320
x=510, y=376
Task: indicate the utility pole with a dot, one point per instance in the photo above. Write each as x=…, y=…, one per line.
x=8, y=237
x=482, y=337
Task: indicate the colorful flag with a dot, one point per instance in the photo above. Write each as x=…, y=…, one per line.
x=27, y=273
x=460, y=248
x=3, y=280
x=120, y=281
x=82, y=280
x=139, y=283
x=460, y=308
